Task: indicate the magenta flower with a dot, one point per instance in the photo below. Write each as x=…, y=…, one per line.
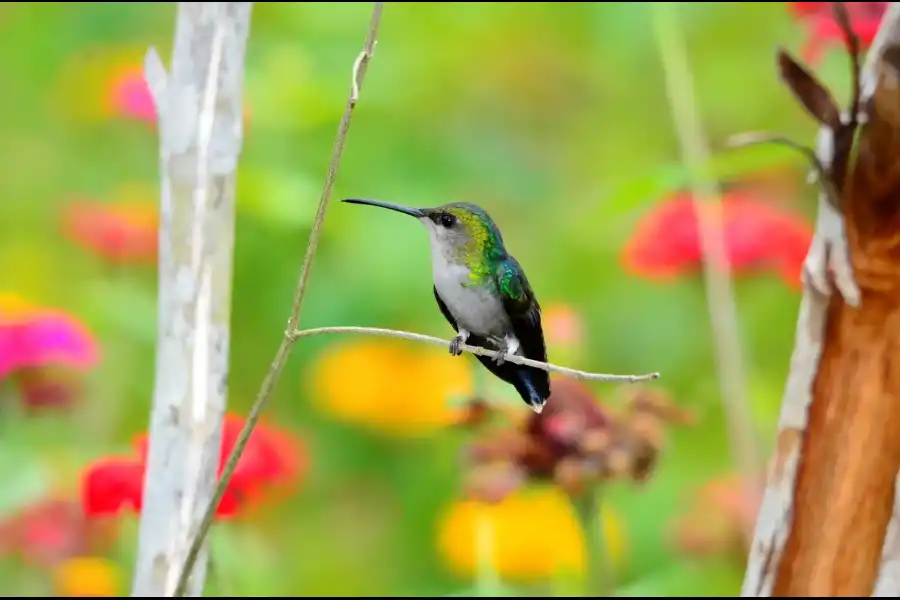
x=127, y=95
x=33, y=337
x=130, y=96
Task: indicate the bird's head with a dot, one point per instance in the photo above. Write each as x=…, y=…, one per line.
x=457, y=230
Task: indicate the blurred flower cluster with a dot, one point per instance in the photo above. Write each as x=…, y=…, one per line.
x=575, y=442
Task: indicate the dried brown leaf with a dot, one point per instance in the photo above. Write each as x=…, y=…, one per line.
x=814, y=96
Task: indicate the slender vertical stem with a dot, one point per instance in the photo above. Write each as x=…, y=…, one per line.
x=717, y=276
x=597, y=575
x=487, y=580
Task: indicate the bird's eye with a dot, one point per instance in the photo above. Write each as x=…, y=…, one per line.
x=448, y=220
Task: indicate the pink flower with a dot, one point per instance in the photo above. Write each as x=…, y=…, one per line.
x=130, y=97
x=32, y=337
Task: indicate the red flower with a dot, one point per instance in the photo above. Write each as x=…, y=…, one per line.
x=823, y=30
x=272, y=460
x=52, y=531
x=123, y=232
x=757, y=235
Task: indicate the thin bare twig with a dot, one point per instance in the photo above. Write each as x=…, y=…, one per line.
x=751, y=138
x=717, y=276
x=519, y=360
x=360, y=66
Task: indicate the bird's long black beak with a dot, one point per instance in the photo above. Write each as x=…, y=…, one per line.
x=406, y=210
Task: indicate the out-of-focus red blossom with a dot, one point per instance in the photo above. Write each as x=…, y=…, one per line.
x=124, y=232
x=53, y=531
x=35, y=337
x=823, y=31
x=721, y=519
x=272, y=462
x=757, y=236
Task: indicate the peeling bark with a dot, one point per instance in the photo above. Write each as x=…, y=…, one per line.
x=828, y=524
x=200, y=125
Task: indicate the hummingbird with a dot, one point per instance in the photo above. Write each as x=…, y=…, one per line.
x=483, y=293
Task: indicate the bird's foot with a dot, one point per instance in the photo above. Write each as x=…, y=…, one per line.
x=507, y=346
x=500, y=357
x=456, y=342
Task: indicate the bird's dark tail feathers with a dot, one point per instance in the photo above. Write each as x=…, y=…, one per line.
x=531, y=391
x=532, y=384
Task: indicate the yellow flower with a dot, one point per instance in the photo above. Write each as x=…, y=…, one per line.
x=14, y=307
x=87, y=576
x=394, y=387
x=532, y=534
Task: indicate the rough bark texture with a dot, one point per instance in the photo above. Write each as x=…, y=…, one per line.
x=828, y=525
x=200, y=126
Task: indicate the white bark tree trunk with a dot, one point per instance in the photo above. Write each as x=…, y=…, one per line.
x=200, y=118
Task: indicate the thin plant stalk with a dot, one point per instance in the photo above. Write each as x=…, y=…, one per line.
x=487, y=579
x=717, y=276
x=597, y=574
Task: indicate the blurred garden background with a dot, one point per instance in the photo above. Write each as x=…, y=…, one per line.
x=552, y=116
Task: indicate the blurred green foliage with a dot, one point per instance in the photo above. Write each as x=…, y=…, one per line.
x=551, y=115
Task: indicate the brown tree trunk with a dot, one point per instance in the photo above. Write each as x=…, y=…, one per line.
x=828, y=524
x=849, y=456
